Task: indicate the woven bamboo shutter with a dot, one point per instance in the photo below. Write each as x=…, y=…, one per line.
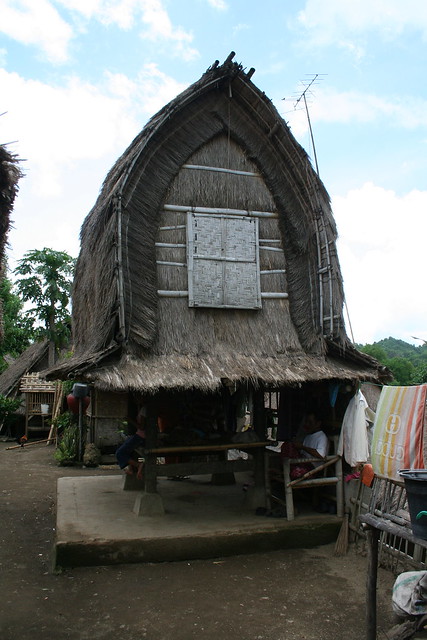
x=223, y=261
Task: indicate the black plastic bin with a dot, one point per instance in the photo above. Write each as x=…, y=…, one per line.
x=416, y=493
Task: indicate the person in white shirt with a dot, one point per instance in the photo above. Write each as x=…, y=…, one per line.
x=314, y=445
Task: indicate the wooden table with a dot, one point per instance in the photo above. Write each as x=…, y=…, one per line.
x=256, y=463
x=374, y=525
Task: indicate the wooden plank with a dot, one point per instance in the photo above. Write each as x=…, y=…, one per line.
x=313, y=482
x=228, y=212
x=214, y=447
x=27, y=444
x=193, y=468
x=32, y=382
x=392, y=528
x=236, y=172
x=328, y=463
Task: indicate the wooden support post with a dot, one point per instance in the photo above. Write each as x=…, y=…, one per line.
x=286, y=465
x=371, y=584
x=259, y=498
x=149, y=502
x=150, y=475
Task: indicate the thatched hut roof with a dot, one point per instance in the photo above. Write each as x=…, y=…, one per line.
x=34, y=358
x=10, y=173
x=219, y=149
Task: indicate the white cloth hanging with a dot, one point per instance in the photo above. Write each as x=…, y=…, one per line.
x=354, y=439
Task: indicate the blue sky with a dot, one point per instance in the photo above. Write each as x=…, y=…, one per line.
x=80, y=78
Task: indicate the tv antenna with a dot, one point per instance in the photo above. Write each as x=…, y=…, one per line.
x=302, y=97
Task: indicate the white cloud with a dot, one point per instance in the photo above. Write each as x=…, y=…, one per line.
x=127, y=14
x=155, y=88
x=352, y=106
x=59, y=126
x=242, y=26
x=40, y=23
x=330, y=21
x=161, y=28
x=70, y=136
x=37, y=23
x=218, y=4
x=382, y=253
x=119, y=12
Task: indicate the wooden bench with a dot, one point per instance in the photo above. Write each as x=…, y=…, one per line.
x=256, y=463
x=316, y=477
x=200, y=467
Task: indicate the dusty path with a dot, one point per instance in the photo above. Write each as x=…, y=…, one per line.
x=281, y=595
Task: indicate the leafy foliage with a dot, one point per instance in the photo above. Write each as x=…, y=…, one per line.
x=420, y=374
x=46, y=279
x=407, y=362
x=68, y=439
x=17, y=326
x=8, y=406
x=66, y=452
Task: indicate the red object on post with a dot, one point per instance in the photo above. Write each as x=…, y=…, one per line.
x=73, y=403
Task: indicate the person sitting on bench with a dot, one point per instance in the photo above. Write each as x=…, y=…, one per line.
x=124, y=453
x=314, y=445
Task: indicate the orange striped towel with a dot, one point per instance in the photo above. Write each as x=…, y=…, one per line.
x=397, y=441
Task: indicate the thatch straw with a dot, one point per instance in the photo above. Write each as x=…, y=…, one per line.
x=206, y=372
x=221, y=121
x=34, y=358
x=10, y=173
x=341, y=545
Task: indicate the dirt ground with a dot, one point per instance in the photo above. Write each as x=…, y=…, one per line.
x=290, y=595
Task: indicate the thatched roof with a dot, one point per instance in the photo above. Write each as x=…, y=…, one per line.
x=220, y=147
x=10, y=174
x=34, y=358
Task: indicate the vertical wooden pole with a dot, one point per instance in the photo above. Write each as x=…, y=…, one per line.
x=27, y=395
x=258, y=414
x=259, y=494
x=371, y=584
x=149, y=502
x=80, y=443
x=150, y=472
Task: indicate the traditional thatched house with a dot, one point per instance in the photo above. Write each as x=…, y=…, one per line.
x=208, y=268
x=33, y=359
x=38, y=397
x=10, y=174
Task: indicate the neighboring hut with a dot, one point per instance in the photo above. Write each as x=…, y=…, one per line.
x=33, y=359
x=21, y=380
x=208, y=274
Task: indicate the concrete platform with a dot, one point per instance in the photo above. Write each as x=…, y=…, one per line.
x=96, y=524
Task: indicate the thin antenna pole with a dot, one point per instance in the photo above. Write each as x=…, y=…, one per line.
x=303, y=97
x=311, y=133
x=349, y=321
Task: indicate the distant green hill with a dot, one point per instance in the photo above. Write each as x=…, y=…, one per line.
x=408, y=362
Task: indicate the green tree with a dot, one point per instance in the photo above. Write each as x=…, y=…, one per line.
x=420, y=374
x=18, y=330
x=46, y=283
x=402, y=370
x=376, y=352
x=407, y=362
